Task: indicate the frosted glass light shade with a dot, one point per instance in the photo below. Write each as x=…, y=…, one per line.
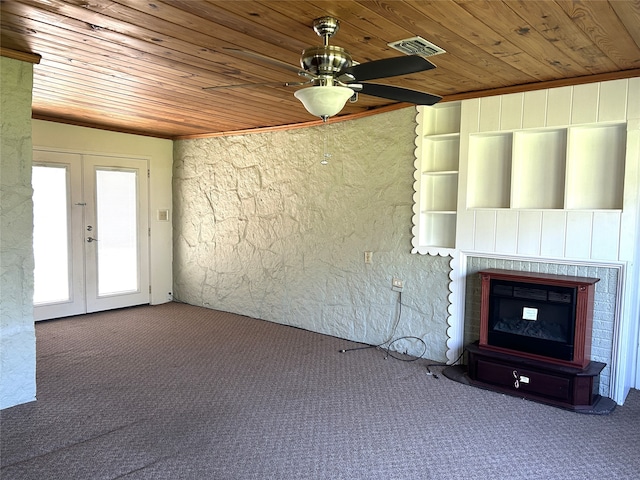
x=324, y=101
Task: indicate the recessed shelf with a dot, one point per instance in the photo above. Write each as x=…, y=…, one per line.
x=595, y=167
x=437, y=184
x=440, y=192
x=538, y=169
x=573, y=168
x=441, y=152
x=489, y=184
x=442, y=119
x=437, y=229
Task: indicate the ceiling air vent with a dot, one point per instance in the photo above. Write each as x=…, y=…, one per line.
x=416, y=46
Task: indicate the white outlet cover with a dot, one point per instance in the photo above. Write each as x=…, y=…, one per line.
x=163, y=215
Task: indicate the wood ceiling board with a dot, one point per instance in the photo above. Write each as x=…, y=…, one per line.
x=141, y=66
x=598, y=20
x=524, y=35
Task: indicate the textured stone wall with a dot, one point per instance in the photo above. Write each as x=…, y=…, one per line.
x=261, y=228
x=17, y=333
x=604, y=309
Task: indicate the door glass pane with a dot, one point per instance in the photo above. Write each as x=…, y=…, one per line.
x=50, y=234
x=117, y=234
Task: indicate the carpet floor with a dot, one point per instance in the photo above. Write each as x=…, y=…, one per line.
x=181, y=392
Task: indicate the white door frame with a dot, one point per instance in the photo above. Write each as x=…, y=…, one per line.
x=75, y=162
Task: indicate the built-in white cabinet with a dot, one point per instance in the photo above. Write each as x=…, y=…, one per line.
x=550, y=175
x=571, y=168
x=542, y=173
x=436, y=178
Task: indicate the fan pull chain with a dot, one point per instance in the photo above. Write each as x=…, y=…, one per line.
x=325, y=154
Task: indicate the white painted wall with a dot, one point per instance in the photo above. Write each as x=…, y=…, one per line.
x=68, y=138
x=17, y=334
x=263, y=229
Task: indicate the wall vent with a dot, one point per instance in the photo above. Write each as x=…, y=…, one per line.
x=416, y=46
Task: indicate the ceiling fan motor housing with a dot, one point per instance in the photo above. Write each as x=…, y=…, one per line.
x=326, y=60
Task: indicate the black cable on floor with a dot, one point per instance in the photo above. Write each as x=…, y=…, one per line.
x=390, y=341
x=435, y=375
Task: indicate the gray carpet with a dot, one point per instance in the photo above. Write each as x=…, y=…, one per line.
x=182, y=392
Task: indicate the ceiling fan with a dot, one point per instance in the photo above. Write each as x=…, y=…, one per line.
x=333, y=77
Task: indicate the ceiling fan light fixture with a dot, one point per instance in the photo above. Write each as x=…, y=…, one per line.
x=324, y=101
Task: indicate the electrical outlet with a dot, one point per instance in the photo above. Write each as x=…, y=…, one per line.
x=368, y=257
x=397, y=284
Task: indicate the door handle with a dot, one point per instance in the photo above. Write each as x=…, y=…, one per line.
x=91, y=239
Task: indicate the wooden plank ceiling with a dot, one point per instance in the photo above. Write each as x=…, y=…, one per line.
x=140, y=66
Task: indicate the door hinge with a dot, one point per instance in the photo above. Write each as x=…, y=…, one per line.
x=148, y=173
x=149, y=289
x=149, y=231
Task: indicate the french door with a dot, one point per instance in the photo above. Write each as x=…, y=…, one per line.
x=91, y=242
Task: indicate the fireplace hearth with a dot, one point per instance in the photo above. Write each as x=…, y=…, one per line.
x=535, y=339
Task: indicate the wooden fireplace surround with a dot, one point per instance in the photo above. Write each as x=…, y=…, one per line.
x=570, y=384
x=584, y=311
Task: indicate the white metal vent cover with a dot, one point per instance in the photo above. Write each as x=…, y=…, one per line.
x=416, y=46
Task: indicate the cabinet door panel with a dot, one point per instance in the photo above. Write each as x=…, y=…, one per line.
x=551, y=386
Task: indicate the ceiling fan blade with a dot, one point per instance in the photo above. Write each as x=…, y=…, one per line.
x=396, y=93
x=251, y=85
x=272, y=61
x=386, y=67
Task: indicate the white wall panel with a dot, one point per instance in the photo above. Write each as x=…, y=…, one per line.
x=534, y=109
x=489, y=114
x=606, y=235
x=529, y=228
x=633, y=99
x=613, y=101
x=559, y=106
x=630, y=220
x=511, y=111
x=579, y=227
x=465, y=229
x=469, y=116
x=506, y=229
x=584, y=108
x=554, y=229
x=485, y=233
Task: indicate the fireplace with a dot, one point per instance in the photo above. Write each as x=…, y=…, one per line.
x=535, y=315
x=535, y=338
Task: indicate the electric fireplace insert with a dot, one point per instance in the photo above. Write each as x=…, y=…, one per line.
x=544, y=316
x=535, y=339
x=538, y=319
